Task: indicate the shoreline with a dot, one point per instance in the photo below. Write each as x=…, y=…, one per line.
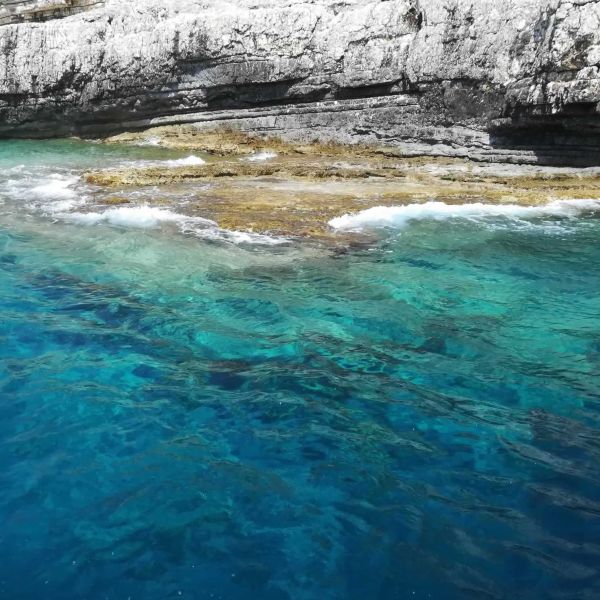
x=270, y=186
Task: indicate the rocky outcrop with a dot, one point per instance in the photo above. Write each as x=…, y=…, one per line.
x=20, y=11
x=516, y=80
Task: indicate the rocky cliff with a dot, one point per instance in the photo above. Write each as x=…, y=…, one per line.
x=20, y=11
x=516, y=80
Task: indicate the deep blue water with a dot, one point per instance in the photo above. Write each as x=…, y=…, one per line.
x=187, y=418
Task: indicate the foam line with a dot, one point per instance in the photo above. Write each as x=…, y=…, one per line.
x=147, y=217
x=400, y=216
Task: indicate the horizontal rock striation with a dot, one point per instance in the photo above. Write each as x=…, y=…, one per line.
x=516, y=80
x=20, y=11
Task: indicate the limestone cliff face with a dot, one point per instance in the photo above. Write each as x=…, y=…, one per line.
x=20, y=11
x=510, y=80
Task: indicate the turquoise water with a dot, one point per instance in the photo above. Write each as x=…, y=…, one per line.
x=186, y=417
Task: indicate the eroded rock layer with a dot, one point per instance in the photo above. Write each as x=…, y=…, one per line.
x=515, y=80
x=20, y=11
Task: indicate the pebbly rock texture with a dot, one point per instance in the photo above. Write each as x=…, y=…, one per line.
x=516, y=80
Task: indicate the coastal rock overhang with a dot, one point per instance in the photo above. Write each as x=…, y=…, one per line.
x=514, y=81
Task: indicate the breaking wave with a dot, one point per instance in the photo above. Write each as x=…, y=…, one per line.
x=148, y=217
x=401, y=216
x=189, y=161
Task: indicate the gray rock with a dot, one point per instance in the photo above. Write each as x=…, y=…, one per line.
x=515, y=81
x=19, y=11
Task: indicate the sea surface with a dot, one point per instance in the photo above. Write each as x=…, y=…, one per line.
x=187, y=413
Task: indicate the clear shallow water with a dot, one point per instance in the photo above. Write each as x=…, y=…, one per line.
x=187, y=417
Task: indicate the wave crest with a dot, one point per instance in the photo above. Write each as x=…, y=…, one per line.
x=400, y=216
x=148, y=217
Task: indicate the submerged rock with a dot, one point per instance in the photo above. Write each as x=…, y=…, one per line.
x=515, y=81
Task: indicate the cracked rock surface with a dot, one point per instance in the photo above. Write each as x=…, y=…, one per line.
x=514, y=81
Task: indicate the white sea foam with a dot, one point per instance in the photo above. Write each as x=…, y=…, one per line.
x=149, y=141
x=260, y=156
x=400, y=216
x=189, y=161
x=135, y=216
x=55, y=187
x=147, y=217
x=53, y=194
x=243, y=237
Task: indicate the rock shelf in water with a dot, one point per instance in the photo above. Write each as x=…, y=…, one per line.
x=302, y=186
